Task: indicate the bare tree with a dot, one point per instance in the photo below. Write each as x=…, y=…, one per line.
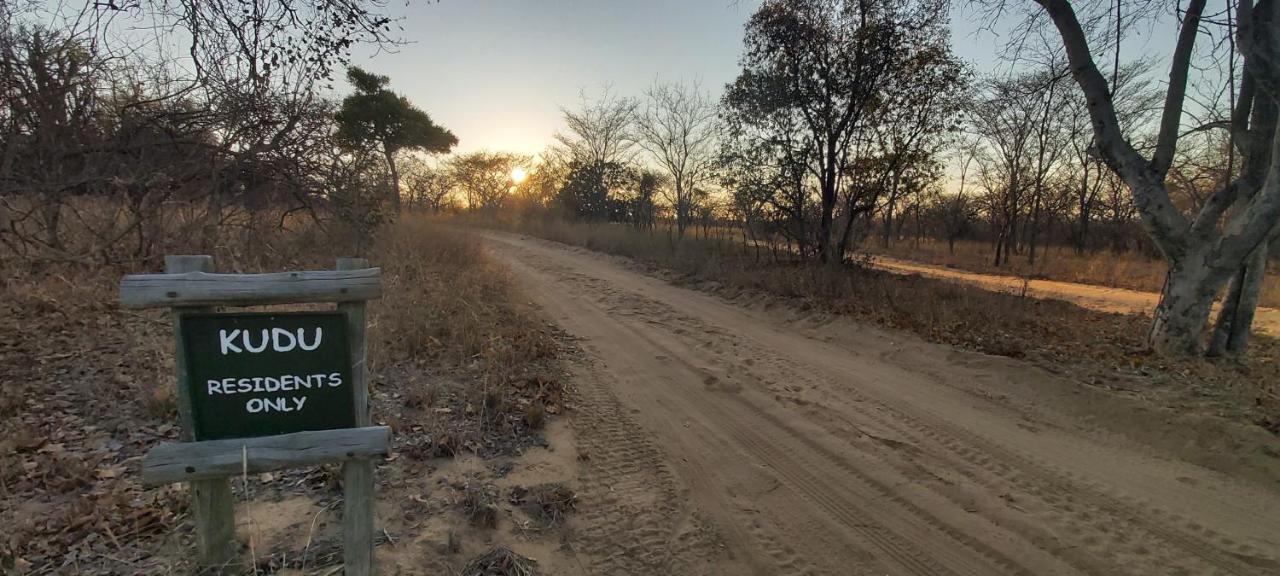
x=1005, y=120
x=676, y=124
x=956, y=211
x=428, y=184
x=1206, y=248
x=600, y=132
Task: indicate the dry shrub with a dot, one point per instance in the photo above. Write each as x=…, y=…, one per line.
x=479, y=504
x=89, y=387
x=420, y=394
x=500, y=561
x=546, y=504
x=534, y=415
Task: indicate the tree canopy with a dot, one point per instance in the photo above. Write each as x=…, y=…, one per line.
x=376, y=116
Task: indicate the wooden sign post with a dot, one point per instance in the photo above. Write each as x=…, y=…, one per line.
x=266, y=391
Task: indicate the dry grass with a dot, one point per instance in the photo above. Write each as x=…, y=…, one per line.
x=1128, y=270
x=546, y=504
x=501, y=561
x=89, y=386
x=447, y=303
x=479, y=504
x=451, y=338
x=1098, y=348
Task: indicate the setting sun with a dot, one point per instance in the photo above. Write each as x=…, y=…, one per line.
x=518, y=174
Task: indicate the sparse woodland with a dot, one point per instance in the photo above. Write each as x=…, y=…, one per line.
x=851, y=129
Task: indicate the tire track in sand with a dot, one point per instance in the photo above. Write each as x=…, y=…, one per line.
x=820, y=461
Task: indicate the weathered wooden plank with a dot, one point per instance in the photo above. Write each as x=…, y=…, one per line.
x=213, y=504
x=357, y=475
x=205, y=289
x=186, y=461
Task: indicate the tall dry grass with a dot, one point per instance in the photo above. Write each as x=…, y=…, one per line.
x=446, y=302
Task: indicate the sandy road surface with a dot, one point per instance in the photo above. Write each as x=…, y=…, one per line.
x=1094, y=297
x=720, y=439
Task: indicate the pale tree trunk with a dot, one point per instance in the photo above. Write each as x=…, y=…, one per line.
x=1202, y=253
x=1185, y=303
x=1235, y=320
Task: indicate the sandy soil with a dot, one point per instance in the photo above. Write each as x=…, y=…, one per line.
x=716, y=437
x=1100, y=298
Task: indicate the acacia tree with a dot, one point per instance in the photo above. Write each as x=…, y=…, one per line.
x=376, y=116
x=542, y=186
x=428, y=185
x=1004, y=118
x=956, y=212
x=676, y=124
x=641, y=206
x=485, y=177
x=1228, y=236
x=829, y=59
x=600, y=131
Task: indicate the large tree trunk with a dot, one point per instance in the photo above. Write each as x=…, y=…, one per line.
x=1235, y=320
x=1183, y=313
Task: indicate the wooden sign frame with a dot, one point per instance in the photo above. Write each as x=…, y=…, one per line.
x=189, y=286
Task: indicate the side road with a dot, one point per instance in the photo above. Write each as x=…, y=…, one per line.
x=1099, y=298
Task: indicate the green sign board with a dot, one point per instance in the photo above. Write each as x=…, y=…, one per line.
x=261, y=374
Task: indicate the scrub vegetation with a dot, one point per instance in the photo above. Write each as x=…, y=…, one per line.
x=89, y=387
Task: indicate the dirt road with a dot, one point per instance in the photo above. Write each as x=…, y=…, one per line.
x=716, y=438
x=1101, y=298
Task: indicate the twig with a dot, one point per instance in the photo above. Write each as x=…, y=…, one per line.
x=311, y=533
x=244, y=477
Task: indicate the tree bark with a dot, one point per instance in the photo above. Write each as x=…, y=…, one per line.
x=1185, y=303
x=1235, y=320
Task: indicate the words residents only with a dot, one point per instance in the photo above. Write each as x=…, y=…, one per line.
x=237, y=341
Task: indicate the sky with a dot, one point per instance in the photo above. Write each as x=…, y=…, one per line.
x=497, y=72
